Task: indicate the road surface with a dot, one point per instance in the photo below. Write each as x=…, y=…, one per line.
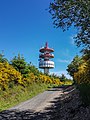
x=54, y=104
x=41, y=101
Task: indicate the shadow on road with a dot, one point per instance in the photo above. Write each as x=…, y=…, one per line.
x=59, y=88
x=54, y=112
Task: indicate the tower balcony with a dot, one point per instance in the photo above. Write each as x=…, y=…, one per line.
x=46, y=55
x=46, y=64
x=43, y=49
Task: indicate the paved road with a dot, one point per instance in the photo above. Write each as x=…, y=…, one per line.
x=53, y=104
x=40, y=102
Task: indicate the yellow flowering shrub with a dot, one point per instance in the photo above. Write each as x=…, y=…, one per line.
x=48, y=80
x=7, y=75
x=83, y=75
x=29, y=79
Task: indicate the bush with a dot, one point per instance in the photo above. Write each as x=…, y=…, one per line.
x=83, y=74
x=8, y=75
x=85, y=93
x=49, y=80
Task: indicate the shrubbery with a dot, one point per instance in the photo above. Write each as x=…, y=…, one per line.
x=82, y=77
x=85, y=93
x=79, y=69
x=8, y=75
x=20, y=81
x=83, y=74
x=19, y=72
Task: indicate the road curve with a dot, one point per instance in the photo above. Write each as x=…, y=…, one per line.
x=40, y=102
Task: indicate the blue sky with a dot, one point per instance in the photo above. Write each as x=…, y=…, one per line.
x=25, y=26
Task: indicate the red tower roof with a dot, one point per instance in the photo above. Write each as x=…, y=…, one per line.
x=46, y=48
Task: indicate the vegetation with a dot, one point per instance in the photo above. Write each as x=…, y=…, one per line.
x=82, y=78
x=64, y=80
x=18, y=62
x=72, y=12
x=73, y=66
x=67, y=13
x=20, y=81
x=85, y=93
x=18, y=93
x=8, y=76
x=2, y=59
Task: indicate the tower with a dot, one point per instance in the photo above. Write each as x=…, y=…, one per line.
x=45, y=56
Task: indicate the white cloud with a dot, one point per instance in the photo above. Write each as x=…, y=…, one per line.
x=66, y=52
x=63, y=61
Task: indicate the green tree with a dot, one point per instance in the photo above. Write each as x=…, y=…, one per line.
x=73, y=66
x=73, y=12
x=63, y=78
x=2, y=59
x=55, y=76
x=18, y=62
x=33, y=69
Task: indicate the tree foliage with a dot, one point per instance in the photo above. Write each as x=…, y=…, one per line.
x=2, y=59
x=79, y=69
x=19, y=63
x=63, y=78
x=19, y=72
x=83, y=74
x=73, y=12
x=33, y=69
x=73, y=66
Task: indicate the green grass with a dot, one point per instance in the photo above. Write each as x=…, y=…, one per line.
x=68, y=82
x=18, y=94
x=85, y=93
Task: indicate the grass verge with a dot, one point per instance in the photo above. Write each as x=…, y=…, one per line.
x=17, y=94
